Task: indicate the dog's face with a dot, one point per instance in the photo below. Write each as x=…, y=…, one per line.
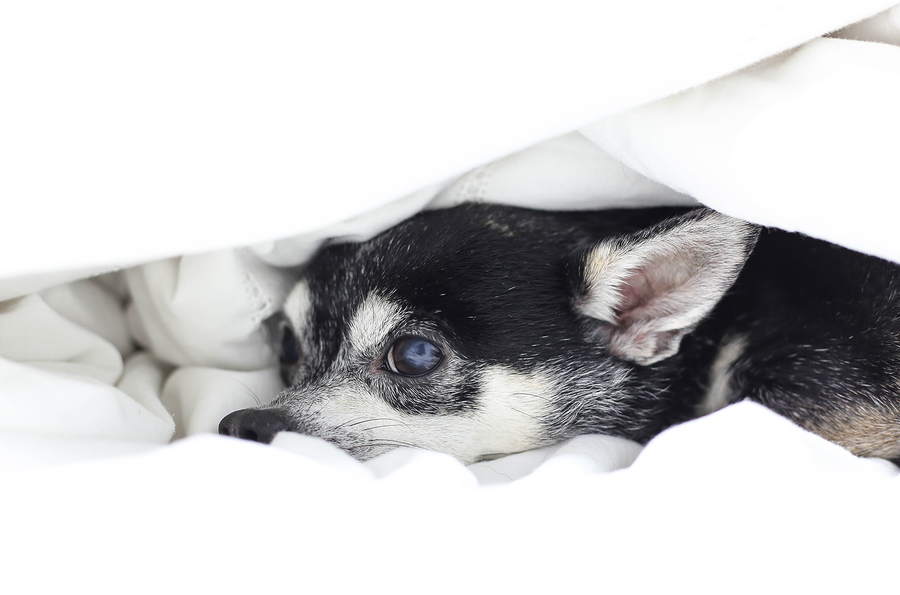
x=484, y=330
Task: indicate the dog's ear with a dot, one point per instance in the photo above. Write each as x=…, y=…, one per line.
x=647, y=290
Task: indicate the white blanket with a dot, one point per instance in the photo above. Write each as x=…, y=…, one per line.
x=183, y=132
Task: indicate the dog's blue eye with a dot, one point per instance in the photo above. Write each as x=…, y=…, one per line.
x=290, y=352
x=413, y=356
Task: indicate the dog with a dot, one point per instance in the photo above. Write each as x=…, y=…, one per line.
x=483, y=330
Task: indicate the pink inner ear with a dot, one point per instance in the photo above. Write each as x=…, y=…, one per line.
x=646, y=292
x=636, y=291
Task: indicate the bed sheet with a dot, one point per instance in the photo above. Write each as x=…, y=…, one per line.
x=738, y=501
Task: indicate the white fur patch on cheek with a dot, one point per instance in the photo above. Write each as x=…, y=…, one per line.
x=297, y=306
x=512, y=406
x=371, y=324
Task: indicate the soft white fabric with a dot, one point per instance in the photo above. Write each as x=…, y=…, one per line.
x=206, y=309
x=818, y=126
x=281, y=127
x=253, y=120
x=567, y=172
x=708, y=507
x=200, y=397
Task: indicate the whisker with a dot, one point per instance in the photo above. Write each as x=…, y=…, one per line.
x=252, y=393
x=352, y=421
x=523, y=413
x=371, y=443
x=356, y=423
x=393, y=423
x=533, y=396
x=383, y=426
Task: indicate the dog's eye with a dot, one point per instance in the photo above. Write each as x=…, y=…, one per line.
x=290, y=352
x=413, y=356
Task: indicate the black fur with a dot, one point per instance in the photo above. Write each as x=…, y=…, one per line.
x=822, y=323
x=492, y=280
x=496, y=285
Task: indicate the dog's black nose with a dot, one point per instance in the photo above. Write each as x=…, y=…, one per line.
x=259, y=425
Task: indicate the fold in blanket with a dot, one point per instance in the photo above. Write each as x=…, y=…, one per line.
x=116, y=365
x=805, y=141
x=320, y=110
x=788, y=513
x=203, y=313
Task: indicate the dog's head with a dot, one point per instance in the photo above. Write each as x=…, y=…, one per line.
x=485, y=330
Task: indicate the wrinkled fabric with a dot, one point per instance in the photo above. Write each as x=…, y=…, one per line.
x=214, y=163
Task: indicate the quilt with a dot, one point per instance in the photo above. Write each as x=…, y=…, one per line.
x=166, y=169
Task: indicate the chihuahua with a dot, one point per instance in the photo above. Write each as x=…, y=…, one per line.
x=483, y=330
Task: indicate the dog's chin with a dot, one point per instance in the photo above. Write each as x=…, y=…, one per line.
x=367, y=453
x=492, y=457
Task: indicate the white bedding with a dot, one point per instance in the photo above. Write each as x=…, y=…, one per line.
x=220, y=129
